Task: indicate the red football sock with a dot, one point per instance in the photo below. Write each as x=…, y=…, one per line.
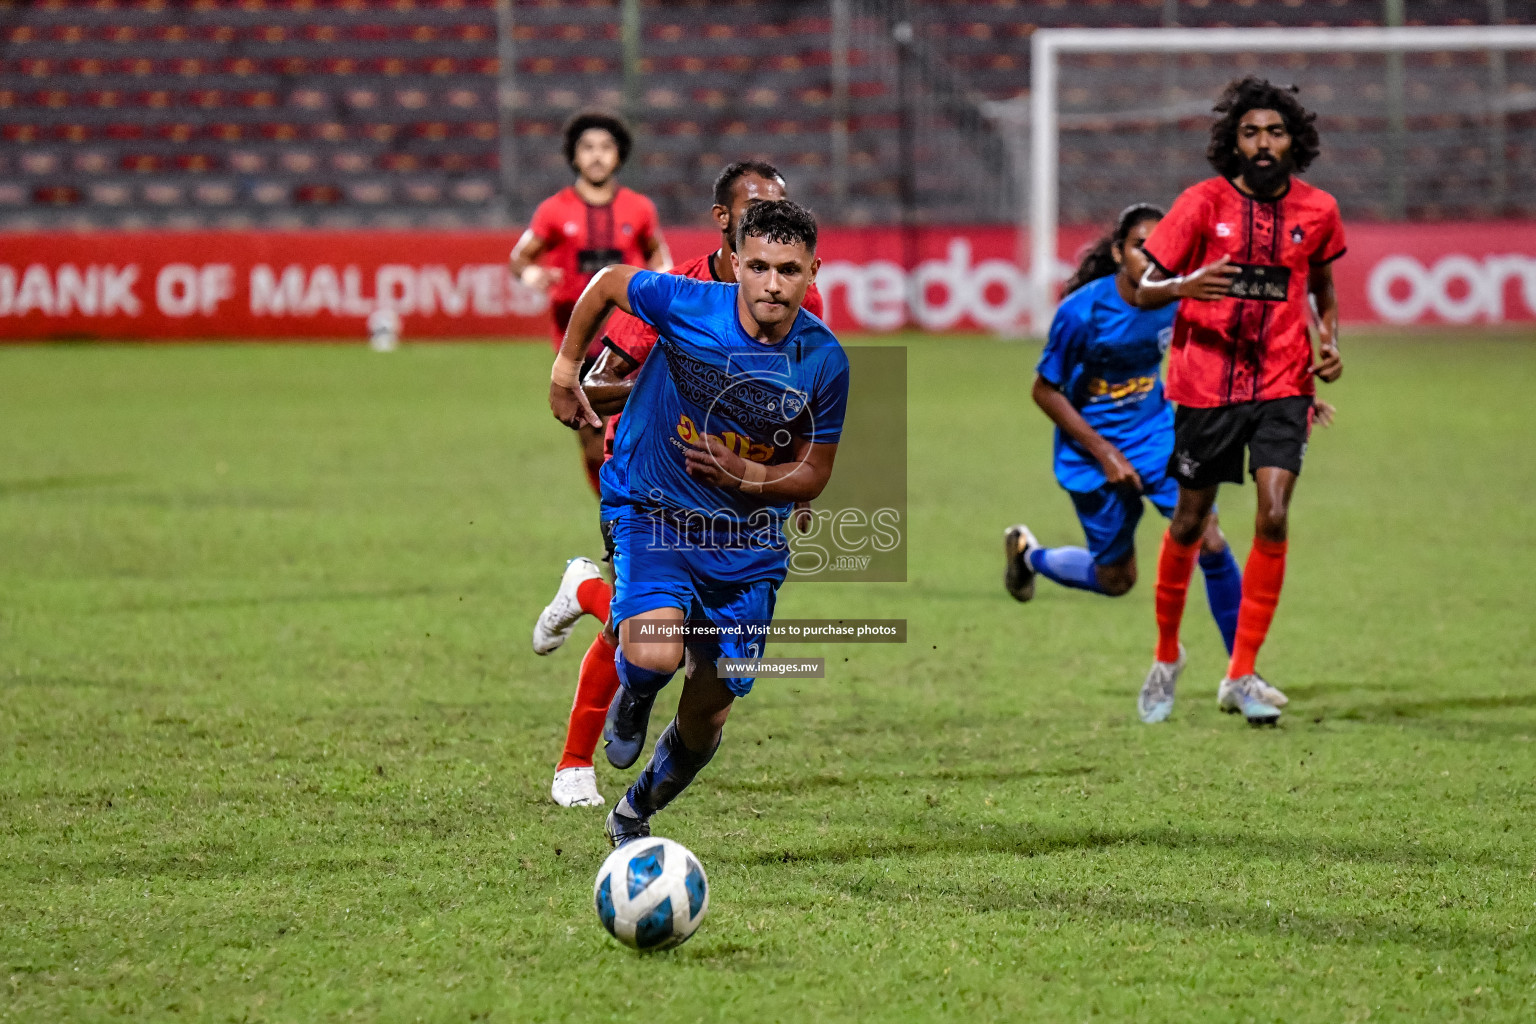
x=593, y=596
x=1262, y=577
x=1175, y=562
x=598, y=682
x=592, y=470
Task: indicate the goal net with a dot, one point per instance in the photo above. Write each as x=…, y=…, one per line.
x=1418, y=124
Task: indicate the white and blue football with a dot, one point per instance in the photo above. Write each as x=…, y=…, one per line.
x=651, y=893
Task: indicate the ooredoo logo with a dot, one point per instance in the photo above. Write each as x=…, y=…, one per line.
x=1457, y=288
x=941, y=294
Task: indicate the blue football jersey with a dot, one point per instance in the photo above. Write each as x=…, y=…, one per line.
x=1105, y=356
x=707, y=376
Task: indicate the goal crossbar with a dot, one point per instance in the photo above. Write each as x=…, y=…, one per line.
x=1046, y=45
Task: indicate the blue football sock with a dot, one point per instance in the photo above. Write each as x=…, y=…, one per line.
x=1224, y=590
x=1071, y=567
x=671, y=768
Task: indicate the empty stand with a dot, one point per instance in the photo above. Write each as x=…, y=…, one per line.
x=385, y=112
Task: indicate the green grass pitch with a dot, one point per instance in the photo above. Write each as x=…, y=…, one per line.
x=273, y=746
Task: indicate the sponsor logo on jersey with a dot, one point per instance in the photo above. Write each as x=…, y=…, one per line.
x=1262, y=281
x=1101, y=390
x=736, y=443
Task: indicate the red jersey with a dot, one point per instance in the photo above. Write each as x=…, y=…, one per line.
x=1253, y=344
x=581, y=239
x=633, y=338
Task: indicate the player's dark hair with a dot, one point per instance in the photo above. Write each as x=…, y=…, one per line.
x=589, y=119
x=1252, y=93
x=738, y=170
x=1098, y=260
x=778, y=220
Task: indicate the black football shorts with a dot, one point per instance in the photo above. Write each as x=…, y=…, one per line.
x=1208, y=443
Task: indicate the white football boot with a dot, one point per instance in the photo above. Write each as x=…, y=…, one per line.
x=1243, y=696
x=1155, y=702
x=576, y=787
x=559, y=617
x=1270, y=695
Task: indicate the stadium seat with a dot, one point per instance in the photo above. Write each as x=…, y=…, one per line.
x=213, y=193
x=233, y=86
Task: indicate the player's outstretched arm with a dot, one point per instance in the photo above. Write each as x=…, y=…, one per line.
x=1207, y=284
x=608, y=290
x=1118, y=471
x=801, y=480
x=1330, y=365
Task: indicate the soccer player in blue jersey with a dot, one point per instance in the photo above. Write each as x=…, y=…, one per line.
x=739, y=419
x=1098, y=380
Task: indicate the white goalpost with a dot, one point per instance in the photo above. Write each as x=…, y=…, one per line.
x=1049, y=45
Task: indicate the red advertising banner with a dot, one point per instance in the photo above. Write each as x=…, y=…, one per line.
x=254, y=285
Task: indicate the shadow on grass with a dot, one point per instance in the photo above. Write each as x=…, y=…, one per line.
x=805, y=783
x=44, y=484
x=1365, y=929
x=962, y=839
x=994, y=893
x=1447, y=714
x=56, y=682
x=1427, y=708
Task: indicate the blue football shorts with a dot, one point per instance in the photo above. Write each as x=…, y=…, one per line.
x=1110, y=515
x=654, y=567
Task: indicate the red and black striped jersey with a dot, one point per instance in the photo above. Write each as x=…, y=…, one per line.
x=1254, y=344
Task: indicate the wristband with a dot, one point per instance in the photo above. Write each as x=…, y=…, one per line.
x=1147, y=282
x=565, y=373
x=753, y=476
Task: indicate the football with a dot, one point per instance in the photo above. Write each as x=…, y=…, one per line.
x=651, y=894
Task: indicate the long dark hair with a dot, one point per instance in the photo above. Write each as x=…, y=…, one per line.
x=1098, y=260
x=1252, y=93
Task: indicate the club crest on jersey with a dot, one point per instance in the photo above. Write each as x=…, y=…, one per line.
x=570, y=227
x=1222, y=231
x=1297, y=234
x=792, y=403
x=628, y=229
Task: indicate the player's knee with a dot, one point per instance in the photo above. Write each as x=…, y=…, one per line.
x=646, y=668
x=1273, y=524
x=1116, y=580
x=1185, y=528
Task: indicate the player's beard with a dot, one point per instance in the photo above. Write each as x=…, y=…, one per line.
x=1267, y=179
x=597, y=177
